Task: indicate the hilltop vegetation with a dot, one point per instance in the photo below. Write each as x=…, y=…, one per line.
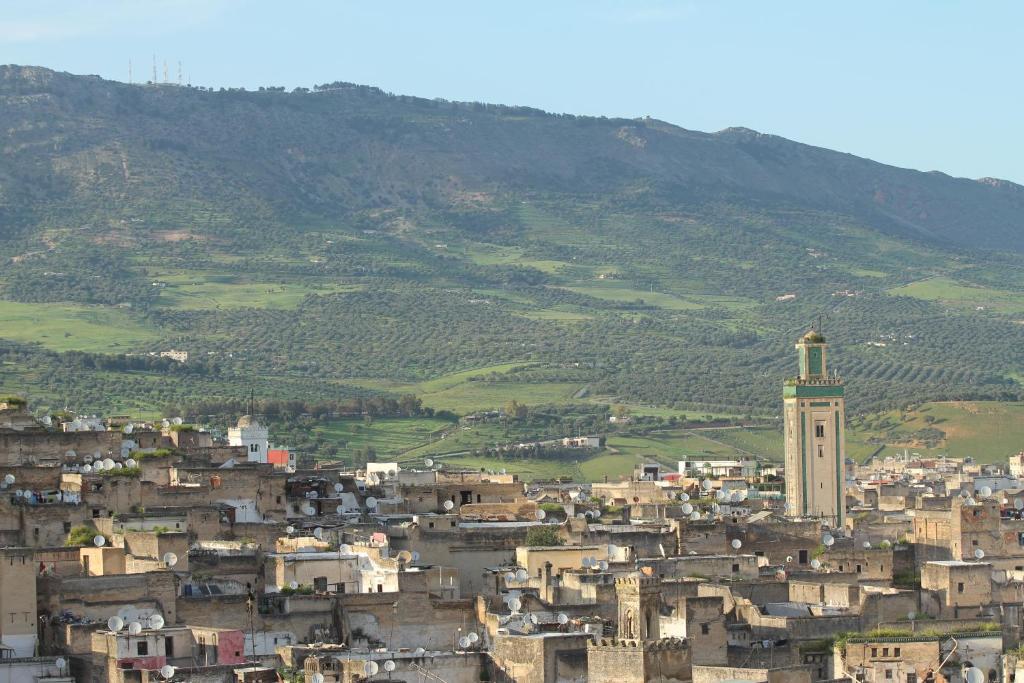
x=344, y=242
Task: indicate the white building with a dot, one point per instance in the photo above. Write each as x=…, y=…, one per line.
x=251, y=434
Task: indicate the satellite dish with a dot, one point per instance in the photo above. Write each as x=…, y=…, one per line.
x=338, y=488
x=419, y=652
x=974, y=675
x=514, y=604
x=19, y=493
x=510, y=577
x=687, y=508
x=694, y=516
x=522, y=575
x=99, y=541
x=165, y=423
x=563, y=619
x=736, y=544
x=534, y=620
x=867, y=545
x=156, y=622
x=129, y=428
x=684, y=497
x=118, y=466
x=706, y=484
x=815, y=563
x=316, y=678
x=294, y=585
x=177, y=420
x=428, y=462
x=473, y=637
x=318, y=533
x=789, y=558
x=130, y=462
x=371, y=502
x=720, y=495
x=47, y=420
x=309, y=510
x=340, y=509
x=344, y=549
x=911, y=615
x=70, y=453
x=541, y=514
x=985, y=491
x=603, y=565
x=389, y=665
x=313, y=494
x=115, y=624
x=979, y=553
x=404, y=556
x=612, y=549
x=9, y=479
x=587, y=561
x=828, y=540
x=61, y=662
x=86, y=469
x=108, y=464
x=170, y=559
x=134, y=628
x=167, y=671
x=464, y=642
x=370, y=668
x=448, y=505
x=415, y=556
x=289, y=530
x=1018, y=503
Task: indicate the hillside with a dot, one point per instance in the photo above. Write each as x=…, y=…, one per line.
x=344, y=241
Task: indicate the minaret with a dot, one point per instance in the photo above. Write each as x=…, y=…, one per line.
x=814, y=415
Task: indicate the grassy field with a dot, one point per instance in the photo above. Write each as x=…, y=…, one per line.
x=984, y=430
x=73, y=327
x=189, y=291
x=387, y=436
x=954, y=294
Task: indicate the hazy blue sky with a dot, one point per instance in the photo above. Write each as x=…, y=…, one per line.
x=928, y=85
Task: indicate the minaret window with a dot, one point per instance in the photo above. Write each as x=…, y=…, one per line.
x=819, y=430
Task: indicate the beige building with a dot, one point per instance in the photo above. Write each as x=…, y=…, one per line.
x=18, y=601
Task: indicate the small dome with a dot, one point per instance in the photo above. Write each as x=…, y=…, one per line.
x=246, y=421
x=813, y=337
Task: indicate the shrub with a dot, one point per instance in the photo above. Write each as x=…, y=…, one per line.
x=544, y=535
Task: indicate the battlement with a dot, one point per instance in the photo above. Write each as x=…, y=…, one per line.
x=643, y=583
x=662, y=644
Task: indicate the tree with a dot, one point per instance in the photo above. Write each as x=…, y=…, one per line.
x=80, y=535
x=542, y=536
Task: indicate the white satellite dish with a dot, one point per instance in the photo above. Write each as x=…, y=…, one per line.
x=515, y=604
x=156, y=622
x=694, y=516
x=867, y=545
x=789, y=558
x=1018, y=503
x=371, y=503
x=309, y=510
x=448, y=505
x=99, y=541
x=473, y=637
x=130, y=462
x=9, y=479
x=389, y=666
x=134, y=628
x=522, y=575
x=428, y=462
x=177, y=420
x=316, y=678
x=318, y=533
x=541, y=514
x=510, y=577
x=687, y=508
x=86, y=469
x=979, y=553
x=986, y=491
x=612, y=549
x=129, y=428
x=588, y=561
x=340, y=509
x=70, y=453
x=167, y=671
x=289, y=530
x=974, y=675
x=170, y=559
x=60, y=662
x=115, y=624
x=118, y=466
x=706, y=484
x=294, y=585
x=419, y=652
x=563, y=619
x=736, y=544
x=911, y=615
x=684, y=497
x=603, y=565
x=415, y=556
x=338, y=488
x=47, y=420
x=828, y=540
x=463, y=642
x=370, y=668
x=108, y=464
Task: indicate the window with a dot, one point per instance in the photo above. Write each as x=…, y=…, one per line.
x=885, y=652
x=142, y=648
x=888, y=674
x=874, y=652
x=912, y=677
x=858, y=569
x=431, y=525
x=67, y=527
x=959, y=588
x=735, y=568
x=380, y=588
x=705, y=629
x=169, y=647
x=821, y=451
x=974, y=542
x=819, y=430
x=895, y=652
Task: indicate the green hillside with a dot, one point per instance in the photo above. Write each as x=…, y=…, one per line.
x=345, y=242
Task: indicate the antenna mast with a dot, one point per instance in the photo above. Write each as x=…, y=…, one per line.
x=129, y=72
x=154, y=69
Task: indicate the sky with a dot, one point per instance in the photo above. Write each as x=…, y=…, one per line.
x=929, y=85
